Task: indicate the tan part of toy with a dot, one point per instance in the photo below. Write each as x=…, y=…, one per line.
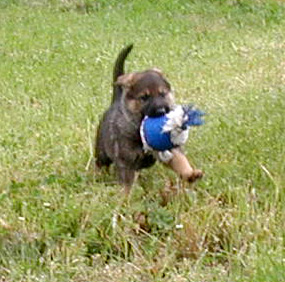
x=182, y=167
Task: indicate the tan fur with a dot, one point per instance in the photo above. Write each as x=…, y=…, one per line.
x=180, y=164
x=125, y=80
x=133, y=106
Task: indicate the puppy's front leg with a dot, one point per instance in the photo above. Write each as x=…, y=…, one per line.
x=181, y=166
x=126, y=178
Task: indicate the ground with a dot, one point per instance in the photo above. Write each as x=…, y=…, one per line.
x=61, y=222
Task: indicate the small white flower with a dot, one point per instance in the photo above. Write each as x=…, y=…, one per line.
x=114, y=221
x=179, y=226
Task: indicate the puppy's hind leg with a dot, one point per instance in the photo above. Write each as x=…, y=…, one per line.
x=100, y=155
x=101, y=159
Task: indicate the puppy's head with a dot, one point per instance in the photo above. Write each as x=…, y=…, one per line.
x=146, y=93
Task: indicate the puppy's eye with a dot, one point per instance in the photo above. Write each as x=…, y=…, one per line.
x=144, y=97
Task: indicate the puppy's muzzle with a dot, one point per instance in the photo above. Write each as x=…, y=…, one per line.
x=157, y=107
x=161, y=111
x=157, y=111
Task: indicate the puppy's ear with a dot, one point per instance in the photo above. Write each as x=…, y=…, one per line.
x=125, y=80
x=157, y=71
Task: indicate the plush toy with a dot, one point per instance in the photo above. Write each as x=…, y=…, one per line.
x=168, y=131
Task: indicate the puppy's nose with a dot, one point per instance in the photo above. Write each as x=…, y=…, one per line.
x=160, y=111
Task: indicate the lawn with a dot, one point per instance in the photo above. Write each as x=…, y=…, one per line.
x=60, y=221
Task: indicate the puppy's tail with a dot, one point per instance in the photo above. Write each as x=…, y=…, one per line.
x=119, y=70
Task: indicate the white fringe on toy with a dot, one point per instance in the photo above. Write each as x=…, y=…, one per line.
x=165, y=156
x=176, y=118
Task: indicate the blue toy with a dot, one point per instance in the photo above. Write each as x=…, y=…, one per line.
x=171, y=130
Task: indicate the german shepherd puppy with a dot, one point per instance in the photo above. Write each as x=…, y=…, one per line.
x=118, y=141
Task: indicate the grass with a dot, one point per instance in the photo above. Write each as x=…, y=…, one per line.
x=60, y=222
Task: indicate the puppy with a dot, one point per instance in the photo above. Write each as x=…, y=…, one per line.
x=118, y=141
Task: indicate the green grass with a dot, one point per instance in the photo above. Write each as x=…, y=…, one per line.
x=61, y=222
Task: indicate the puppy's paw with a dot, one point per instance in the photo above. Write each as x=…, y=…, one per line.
x=195, y=175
